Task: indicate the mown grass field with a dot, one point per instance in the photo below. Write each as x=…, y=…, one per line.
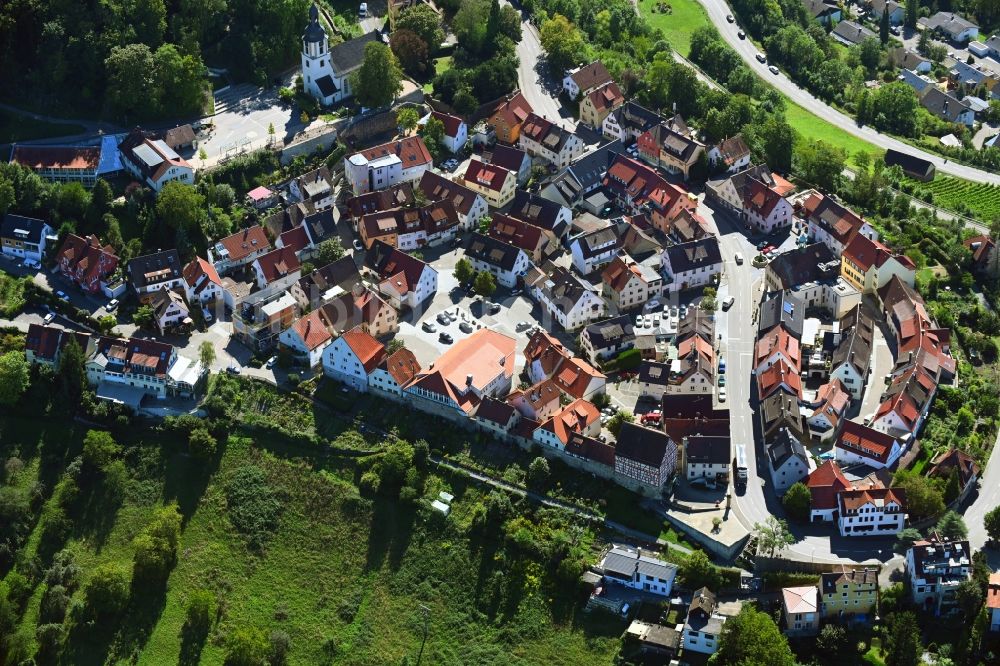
x=685, y=16
x=345, y=577
x=814, y=128
x=14, y=127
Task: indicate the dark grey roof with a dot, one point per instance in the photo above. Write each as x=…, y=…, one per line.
x=785, y=309
x=905, y=58
x=508, y=157
x=155, y=268
x=494, y=411
x=349, y=55
x=818, y=8
x=326, y=85
x=708, y=449
x=492, y=251
x=666, y=136
x=26, y=229
x=695, y=254
x=314, y=33
x=802, y=265
x=597, y=242
x=643, y=445
x=610, y=332
x=696, y=322
x=321, y=225
x=438, y=188
x=782, y=410
x=538, y=211
x=785, y=446
x=626, y=562
x=857, y=332
x=582, y=175
x=637, y=118
x=564, y=289
x=851, y=32
x=342, y=273
x=943, y=105
x=655, y=373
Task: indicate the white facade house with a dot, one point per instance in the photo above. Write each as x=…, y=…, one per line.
x=870, y=512
x=585, y=78
x=692, y=264
x=568, y=300
x=635, y=569
x=703, y=624
x=153, y=162
x=352, y=358
x=456, y=132
x=936, y=567
x=593, y=249
x=788, y=461
x=24, y=237
x=857, y=443
x=404, y=279
x=764, y=208
x=549, y=141
x=504, y=261
x=380, y=167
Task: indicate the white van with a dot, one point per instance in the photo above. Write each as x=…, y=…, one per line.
x=739, y=259
x=363, y=10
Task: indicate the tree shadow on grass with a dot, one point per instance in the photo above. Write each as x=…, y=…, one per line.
x=143, y=612
x=96, y=510
x=192, y=643
x=89, y=642
x=390, y=533
x=186, y=478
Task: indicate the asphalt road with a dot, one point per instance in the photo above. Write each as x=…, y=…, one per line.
x=717, y=11
x=537, y=84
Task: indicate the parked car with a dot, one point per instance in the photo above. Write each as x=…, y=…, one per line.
x=652, y=417
x=49, y=317
x=233, y=370
x=357, y=245
x=739, y=259
x=722, y=380
x=493, y=308
x=651, y=305
x=363, y=10
x=62, y=296
x=270, y=362
x=446, y=338
x=465, y=327
x=722, y=394
x=768, y=249
x=429, y=327
x=703, y=482
x=112, y=304
x=728, y=303
x=523, y=326
x=443, y=319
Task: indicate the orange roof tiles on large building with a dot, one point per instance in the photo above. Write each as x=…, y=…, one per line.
x=778, y=375
x=779, y=341
x=824, y=483
x=575, y=376
x=402, y=365
x=576, y=417
x=245, y=242
x=865, y=441
x=411, y=151
x=368, y=350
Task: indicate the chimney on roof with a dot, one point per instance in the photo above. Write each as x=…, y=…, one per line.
x=468, y=379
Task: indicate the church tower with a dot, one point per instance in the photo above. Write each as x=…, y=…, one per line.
x=315, y=54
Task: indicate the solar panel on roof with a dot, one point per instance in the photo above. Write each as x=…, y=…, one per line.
x=787, y=307
x=166, y=150
x=147, y=155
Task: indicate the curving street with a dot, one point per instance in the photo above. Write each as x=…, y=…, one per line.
x=717, y=11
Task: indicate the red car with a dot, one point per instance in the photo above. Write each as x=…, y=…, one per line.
x=651, y=417
x=768, y=249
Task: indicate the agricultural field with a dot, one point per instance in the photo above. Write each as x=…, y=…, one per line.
x=978, y=200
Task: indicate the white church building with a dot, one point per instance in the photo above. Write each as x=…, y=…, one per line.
x=325, y=71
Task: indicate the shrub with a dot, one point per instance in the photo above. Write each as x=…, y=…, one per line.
x=252, y=505
x=107, y=591
x=199, y=612
x=246, y=647
x=202, y=444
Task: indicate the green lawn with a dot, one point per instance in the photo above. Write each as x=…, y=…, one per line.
x=441, y=65
x=814, y=128
x=685, y=16
x=14, y=127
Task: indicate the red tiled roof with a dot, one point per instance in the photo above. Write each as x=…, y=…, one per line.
x=402, y=365
x=865, y=441
x=520, y=234
x=313, y=329
x=575, y=375
x=780, y=373
x=486, y=175
x=278, y=263
x=866, y=253
x=760, y=198
x=607, y=97
x=87, y=256
x=824, y=483
x=296, y=239
x=245, y=242
x=451, y=123
x=778, y=340
x=513, y=109
x=993, y=591
x=199, y=267
x=57, y=157
x=368, y=350
x=590, y=76
x=411, y=151
x=852, y=500
x=573, y=418
x=953, y=459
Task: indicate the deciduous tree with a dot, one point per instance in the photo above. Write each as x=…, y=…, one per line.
x=951, y=526
x=410, y=50
x=107, y=591
x=485, y=284
x=379, y=79
x=773, y=535
x=464, y=270
x=563, y=43
x=100, y=449
x=992, y=523
x=424, y=22
x=902, y=646
x=923, y=498
x=13, y=377
x=697, y=571
x=329, y=251
x=206, y=354
x=538, y=473
x=797, y=501
x=752, y=637
x=619, y=419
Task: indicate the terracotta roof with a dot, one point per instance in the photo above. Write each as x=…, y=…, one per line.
x=484, y=354
x=993, y=591
x=437, y=188
x=866, y=253
x=629, y=178
x=368, y=350
x=981, y=247
x=296, y=239
x=400, y=269
x=402, y=365
x=778, y=340
x=840, y=222
x=540, y=342
x=865, y=441
x=136, y=355
x=451, y=123
x=200, y=267
x=245, y=242
x=512, y=109
x=850, y=501
x=518, y=233
x=575, y=375
x=778, y=374
x=832, y=399
x=573, y=418
x=276, y=264
x=86, y=256
x=538, y=396
x=907, y=395
x=760, y=198
x=312, y=329
x=397, y=196
x=411, y=151
x=57, y=157
x=824, y=483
